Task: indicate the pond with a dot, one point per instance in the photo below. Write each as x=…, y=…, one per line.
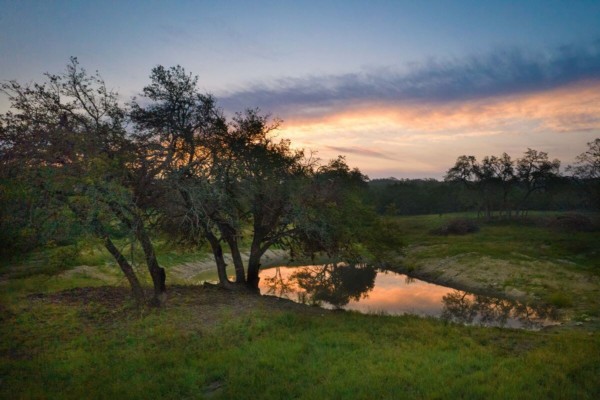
x=369, y=290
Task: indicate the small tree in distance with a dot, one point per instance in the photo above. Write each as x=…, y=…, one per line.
x=534, y=173
x=503, y=184
x=587, y=171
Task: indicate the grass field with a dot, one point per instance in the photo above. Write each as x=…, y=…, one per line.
x=69, y=335
x=533, y=260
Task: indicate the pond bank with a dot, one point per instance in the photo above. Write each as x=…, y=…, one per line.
x=369, y=290
x=524, y=279
x=558, y=283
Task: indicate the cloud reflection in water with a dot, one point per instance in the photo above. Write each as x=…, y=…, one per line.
x=365, y=289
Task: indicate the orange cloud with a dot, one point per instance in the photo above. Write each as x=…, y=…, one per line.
x=571, y=108
x=384, y=137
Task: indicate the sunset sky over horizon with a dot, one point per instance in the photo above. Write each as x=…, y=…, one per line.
x=401, y=88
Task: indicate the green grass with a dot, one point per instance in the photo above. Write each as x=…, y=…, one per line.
x=512, y=239
x=77, y=351
x=522, y=258
x=211, y=345
x=560, y=300
x=53, y=260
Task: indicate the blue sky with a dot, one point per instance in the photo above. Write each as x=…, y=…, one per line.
x=401, y=87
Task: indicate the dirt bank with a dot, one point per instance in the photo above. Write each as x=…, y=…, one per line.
x=556, y=282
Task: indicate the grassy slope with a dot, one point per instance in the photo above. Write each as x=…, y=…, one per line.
x=206, y=344
x=523, y=260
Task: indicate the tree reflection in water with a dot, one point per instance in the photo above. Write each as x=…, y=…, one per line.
x=467, y=308
x=335, y=284
x=278, y=285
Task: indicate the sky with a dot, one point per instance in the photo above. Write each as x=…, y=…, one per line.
x=401, y=88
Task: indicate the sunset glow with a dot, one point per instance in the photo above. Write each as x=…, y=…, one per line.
x=395, y=136
x=393, y=293
x=399, y=88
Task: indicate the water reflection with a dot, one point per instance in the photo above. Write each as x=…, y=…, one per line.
x=334, y=284
x=466, y=308
x=366, y=289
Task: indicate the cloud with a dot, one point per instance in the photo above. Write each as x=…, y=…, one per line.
x=361, y=151
x=570, y=108
x=415, y=122
x=498, y=73
x=418, y=140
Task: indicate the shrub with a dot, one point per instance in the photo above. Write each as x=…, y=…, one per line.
x=60, y=258
x=572, y=222
x=560, y=300
x=459, y=226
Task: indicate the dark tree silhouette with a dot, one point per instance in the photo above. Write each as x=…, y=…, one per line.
x=534, y=172
x=502, y=184
x=587, y=172
x=65, y=139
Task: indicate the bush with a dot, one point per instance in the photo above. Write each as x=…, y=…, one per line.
x=61, y=258
x=572, y=222
x=459, y=226
x=560, y=300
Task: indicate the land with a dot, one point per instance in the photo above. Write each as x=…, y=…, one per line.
x=75, y=333
x=536, y=260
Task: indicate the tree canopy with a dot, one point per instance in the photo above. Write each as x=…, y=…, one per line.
x=171, y=163
x=503, y=184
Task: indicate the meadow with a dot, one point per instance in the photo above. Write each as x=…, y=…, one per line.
x=73, y=332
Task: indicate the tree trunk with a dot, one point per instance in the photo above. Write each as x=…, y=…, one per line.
x=157, y=273
x=219, y=260
x=523, y=204
x=214, y=242
x=240, y=276
x=505, y=205
x=136, y=288
x=254, y=265
x=253, y=270
x=98, y=230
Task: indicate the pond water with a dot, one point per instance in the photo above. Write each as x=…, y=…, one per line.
x=368, y=290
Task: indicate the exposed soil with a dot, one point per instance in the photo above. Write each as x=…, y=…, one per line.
x=188, y=272
x=208, y=304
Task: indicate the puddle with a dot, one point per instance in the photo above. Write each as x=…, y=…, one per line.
x=368, y=290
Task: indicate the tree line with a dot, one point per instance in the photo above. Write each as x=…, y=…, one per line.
x=497, y=186
x=76, y=161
